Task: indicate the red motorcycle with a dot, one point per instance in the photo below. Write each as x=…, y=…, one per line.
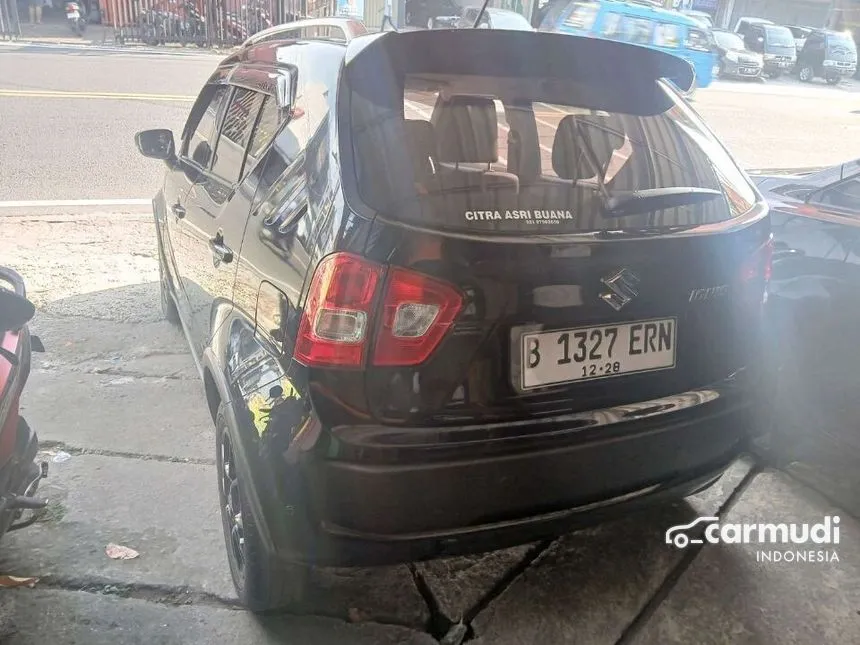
x=19, y=473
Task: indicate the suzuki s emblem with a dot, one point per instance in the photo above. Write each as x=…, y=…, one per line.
x=622, y=286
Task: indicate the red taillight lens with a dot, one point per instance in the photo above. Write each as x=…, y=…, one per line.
x=333, y=329
x=757, y=270
x=760, y=263
x=417, y=313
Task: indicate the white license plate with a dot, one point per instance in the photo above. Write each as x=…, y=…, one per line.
x=587, y=353
x=73, y=14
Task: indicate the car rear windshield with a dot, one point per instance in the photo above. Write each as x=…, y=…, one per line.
x=530, y=155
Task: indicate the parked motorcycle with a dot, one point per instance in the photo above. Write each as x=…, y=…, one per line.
x=75, y=17
x=19, y=473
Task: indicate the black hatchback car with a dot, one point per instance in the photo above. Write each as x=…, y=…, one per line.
x=441, y=309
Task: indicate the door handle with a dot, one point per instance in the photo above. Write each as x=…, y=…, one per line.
x=178, y=210
x=220, y=251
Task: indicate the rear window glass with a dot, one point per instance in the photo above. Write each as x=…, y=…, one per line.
x=521, y=155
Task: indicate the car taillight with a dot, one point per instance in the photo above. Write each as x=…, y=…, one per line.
x=417, y=311
x=333, y=328
x=756, y=271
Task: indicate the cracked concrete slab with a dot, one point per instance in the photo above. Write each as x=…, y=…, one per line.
x=588, y=586
x=728, y=596
x=96, y=500
x=70, y=340
x=37, y=616
x=120, y=413
x=459, y=584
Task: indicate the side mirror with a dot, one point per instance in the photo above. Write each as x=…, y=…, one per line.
x=156, y=144
x=15, y=310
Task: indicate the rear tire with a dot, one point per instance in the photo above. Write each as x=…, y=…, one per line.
x=262, y=583
x=805, y=74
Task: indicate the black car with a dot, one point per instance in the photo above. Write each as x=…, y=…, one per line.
x=774, y=42
x=813, y=308
x=827, y=54
x=735, y=60
x=420, y=13
x=441, y=310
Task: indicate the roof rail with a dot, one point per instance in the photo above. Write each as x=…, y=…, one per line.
x=349, y=27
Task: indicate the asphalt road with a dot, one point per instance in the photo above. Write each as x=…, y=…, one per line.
x=69, y=119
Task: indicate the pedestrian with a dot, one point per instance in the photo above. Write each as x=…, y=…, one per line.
x=386, y=16
x=36, y=12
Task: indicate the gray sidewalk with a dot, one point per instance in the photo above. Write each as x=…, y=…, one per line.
x=119, y=394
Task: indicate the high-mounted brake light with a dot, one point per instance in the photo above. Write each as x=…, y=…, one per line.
x=416, y=313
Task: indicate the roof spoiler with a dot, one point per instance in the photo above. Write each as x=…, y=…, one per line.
x=619, y=76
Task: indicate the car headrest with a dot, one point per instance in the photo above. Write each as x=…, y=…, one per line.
x=567, y=159
x=421, y=139
x=467, y=130
x=604, y=134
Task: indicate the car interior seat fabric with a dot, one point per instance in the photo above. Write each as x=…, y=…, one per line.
x=467, y=132
x=421, y=139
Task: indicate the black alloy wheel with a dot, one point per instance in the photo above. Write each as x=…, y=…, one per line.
x=262, y=582
x=231, y=508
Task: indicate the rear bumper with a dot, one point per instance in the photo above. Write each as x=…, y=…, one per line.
x=431, y=495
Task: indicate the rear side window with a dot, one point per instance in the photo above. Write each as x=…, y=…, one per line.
x=667, y=35
x=267, y=126
x=638, y=31
x=697, y=40
x=583, y=15
x=236, y=133
x=523, y=155
x=204, y=118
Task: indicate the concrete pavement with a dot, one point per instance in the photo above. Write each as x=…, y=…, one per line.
x=119, y=394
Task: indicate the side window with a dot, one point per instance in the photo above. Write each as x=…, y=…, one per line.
x=845, y=195
x=638, y=31
x=611, y=25
x=200, y=130
x=697, y=40
x=667, y=35
x=236, y=133
x=264, y=131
